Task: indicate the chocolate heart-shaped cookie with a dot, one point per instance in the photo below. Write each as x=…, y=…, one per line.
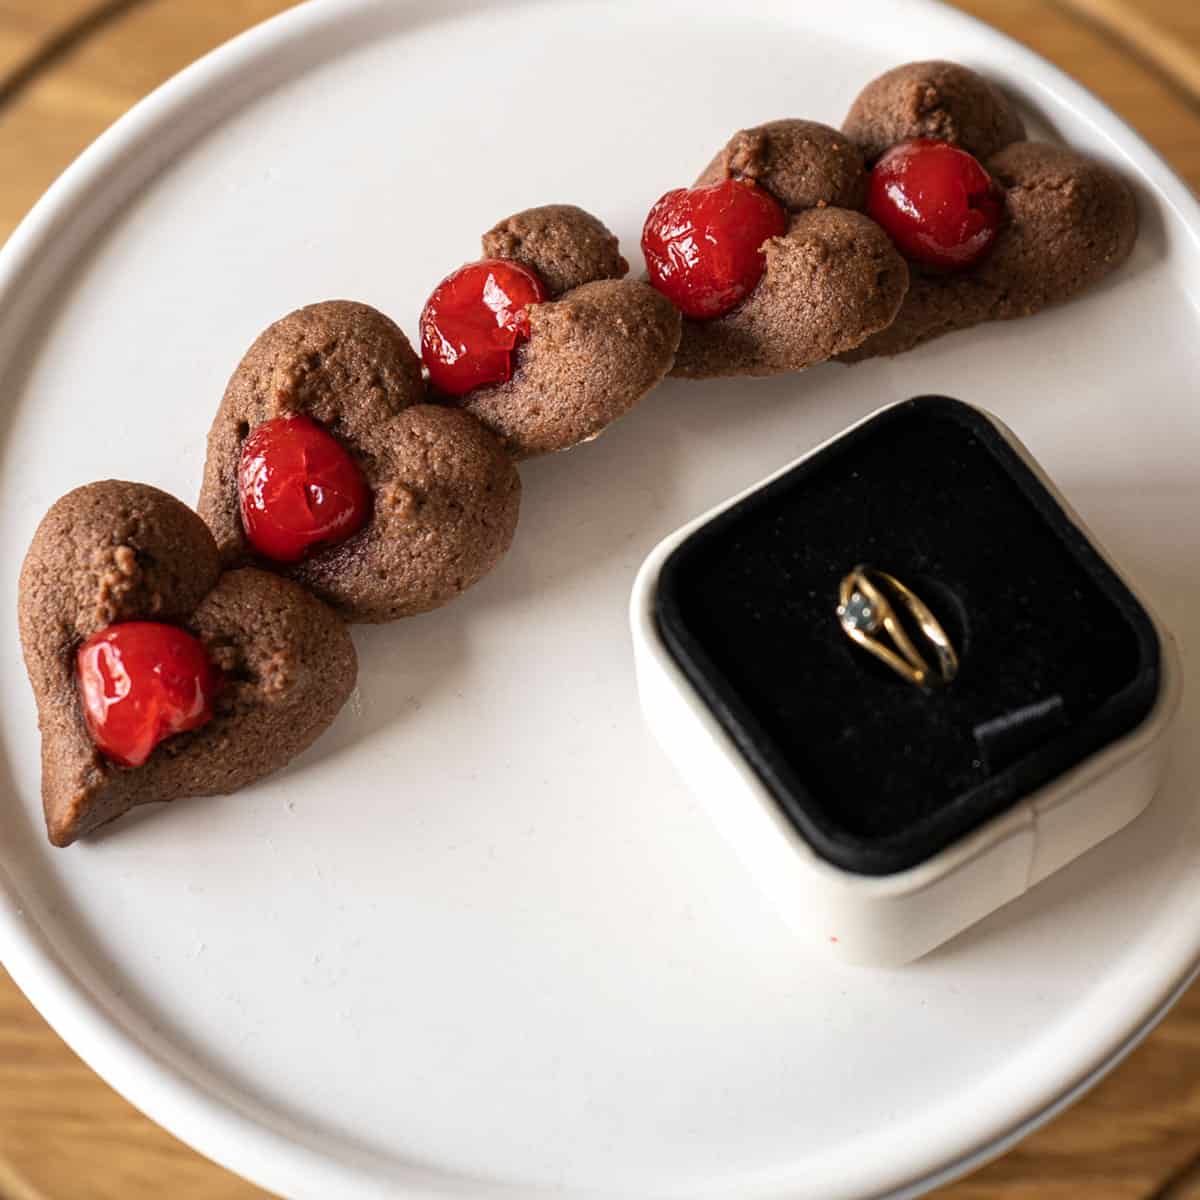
x=115, y=552
x=596, y=346
x=1069, y=221
x=444, y=493
x=831, y=280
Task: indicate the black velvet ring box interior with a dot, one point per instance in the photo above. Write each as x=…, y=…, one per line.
x=1058, y=658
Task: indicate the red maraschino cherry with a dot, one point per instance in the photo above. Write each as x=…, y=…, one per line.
x=474, y=321
x=703, y=245
x=937, y=203
x=298, y=489
x=141, y=682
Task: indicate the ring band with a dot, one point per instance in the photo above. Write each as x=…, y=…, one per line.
x=866, y=612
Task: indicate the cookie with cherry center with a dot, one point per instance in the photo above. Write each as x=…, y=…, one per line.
x=327, y=464
x=770, y=257
x=543, y=339
x=158, y=675
x=992, y=225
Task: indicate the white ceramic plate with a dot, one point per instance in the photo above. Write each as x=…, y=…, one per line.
x=478, y=941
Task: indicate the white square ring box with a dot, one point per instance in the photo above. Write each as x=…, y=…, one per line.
x=886, y=805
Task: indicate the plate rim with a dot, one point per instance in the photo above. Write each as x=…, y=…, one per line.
x=176, y=1093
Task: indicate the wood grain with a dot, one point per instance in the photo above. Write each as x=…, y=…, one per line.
x=1163, y=34
x=63, y=110
x=63, y=1133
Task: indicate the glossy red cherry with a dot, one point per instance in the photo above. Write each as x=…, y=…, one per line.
x=298, y=488
x=936, y=202
x=474, y=321
x=141, y=682
x=703, y=245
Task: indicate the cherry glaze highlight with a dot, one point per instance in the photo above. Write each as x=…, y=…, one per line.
x=474, y=321
x=298, y=488
x=937, y=204
x=141, y=682
x=703, y=246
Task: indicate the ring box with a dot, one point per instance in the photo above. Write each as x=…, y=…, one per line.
x=882, y=818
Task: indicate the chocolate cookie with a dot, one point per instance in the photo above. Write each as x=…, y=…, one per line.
x=831, y=280
x=564, y=245
x=1069, y=220
x=803, y=164
x=935, y=99
x=113, y=552
x=445, y=493
x=596, y=346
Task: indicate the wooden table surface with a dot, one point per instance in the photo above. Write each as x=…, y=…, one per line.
x=68, y=69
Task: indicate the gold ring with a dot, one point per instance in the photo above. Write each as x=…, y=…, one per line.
x=866, y=612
